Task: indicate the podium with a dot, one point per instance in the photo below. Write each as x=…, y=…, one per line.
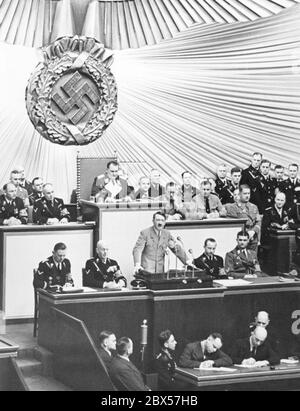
x=283, y=247
x=175, y=280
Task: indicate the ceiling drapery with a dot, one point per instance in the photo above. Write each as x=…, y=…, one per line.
x=121, y=24
x=211, y=94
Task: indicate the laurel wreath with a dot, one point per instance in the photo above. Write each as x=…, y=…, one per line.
x=58, y=60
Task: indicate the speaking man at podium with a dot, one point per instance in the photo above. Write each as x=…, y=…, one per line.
x=152, y=246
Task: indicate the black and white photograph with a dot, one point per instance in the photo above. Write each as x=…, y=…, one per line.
x=149, y=198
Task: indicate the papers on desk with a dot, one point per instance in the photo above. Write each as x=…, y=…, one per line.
x=232, y=283
x=246, y=366
x=218, y=369
x=289, y=361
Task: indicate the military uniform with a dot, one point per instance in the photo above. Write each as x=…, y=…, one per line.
x=251, y=177
x=221, y=189
x=165, y=367
x=272, y=219
x=289, y=189
x=294, y=214
x=103, y=187
x=226, y=195
x=35, y=196
x=12, y=208
x=45, y=209
x=239, y=263
x=250, y=212
x=279, y=185
x=197, y=209
x=266, y=193
x=96, y=272
x=212, y=265
x=27, y=185
x=51, y=273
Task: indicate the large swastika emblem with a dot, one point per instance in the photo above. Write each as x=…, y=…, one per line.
x=75, y=98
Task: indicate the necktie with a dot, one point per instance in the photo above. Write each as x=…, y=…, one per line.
x=207, y=207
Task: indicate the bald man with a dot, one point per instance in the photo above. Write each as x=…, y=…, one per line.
x=275, y=217
x=103, y=272
x=262, y=319
x=50, y=209
x=255, y=351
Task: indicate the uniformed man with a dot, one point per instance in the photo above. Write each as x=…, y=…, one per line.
x=50, y=209
x=290, y=185
x=156, y=189
x=244, y=209
x=109, y=187
x=103, y=272
x=12, y=208
x=37, y=190
x=143, y=191
x=276, y=217
x=208, y=261
x=251, y=176
x=295, y=265
x=266, y=188
x=222, y=183
x=152, y=246
x=55, y=271
x=174, y=208
x=15, y=178
x=227, y=194
x=205, y=205
x=294, y=212
x=165, y=364
x=242, y=262
x=279, y=178
x=187, y=190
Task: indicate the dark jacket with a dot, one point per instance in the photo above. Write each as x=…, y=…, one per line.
x=44, y=209
x=165, y=367
x=266, y=193
x=289, y=188
x=125, y=376
x=105, y=357
x=34, y=196
x=193, y=356
x=96, y=272
x=211, y=266
x=272, y=219
x=241, y=351
x=295, y=216
x=48, y=274
x=156, y=190
x=14, y=209
x=221, y=189
x=251, y=177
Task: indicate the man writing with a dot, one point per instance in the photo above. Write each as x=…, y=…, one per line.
x=152, y=245
x=205, y=354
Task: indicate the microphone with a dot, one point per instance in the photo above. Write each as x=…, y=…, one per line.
x=168, y=263
x=144, y=337
x=193, y=266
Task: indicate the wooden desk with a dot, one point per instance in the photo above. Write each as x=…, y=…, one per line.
x=23, y=247
x=283, y=377
x=11, y=378
x=190, y=314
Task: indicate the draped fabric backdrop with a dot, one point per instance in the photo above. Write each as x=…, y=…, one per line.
x=212, y=94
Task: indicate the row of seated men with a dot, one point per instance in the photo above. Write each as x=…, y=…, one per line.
x=261, y=348
x=19, y=196
x=110, y=186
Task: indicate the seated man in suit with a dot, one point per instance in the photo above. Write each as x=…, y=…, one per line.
x=12, y=208
x=187, y=190
x=262, y=319
x=155, y=189
x=151, y=247
x=107, y=340
x=205, y=354
x=208, y=261
x=241, y=262
x=55, y=272
x=222, y=183
x=50, y=209
x=123, y=373
x=276, y=217
x=109, y=187
x=205, y=205
x=255, y=351
x=103, y=272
